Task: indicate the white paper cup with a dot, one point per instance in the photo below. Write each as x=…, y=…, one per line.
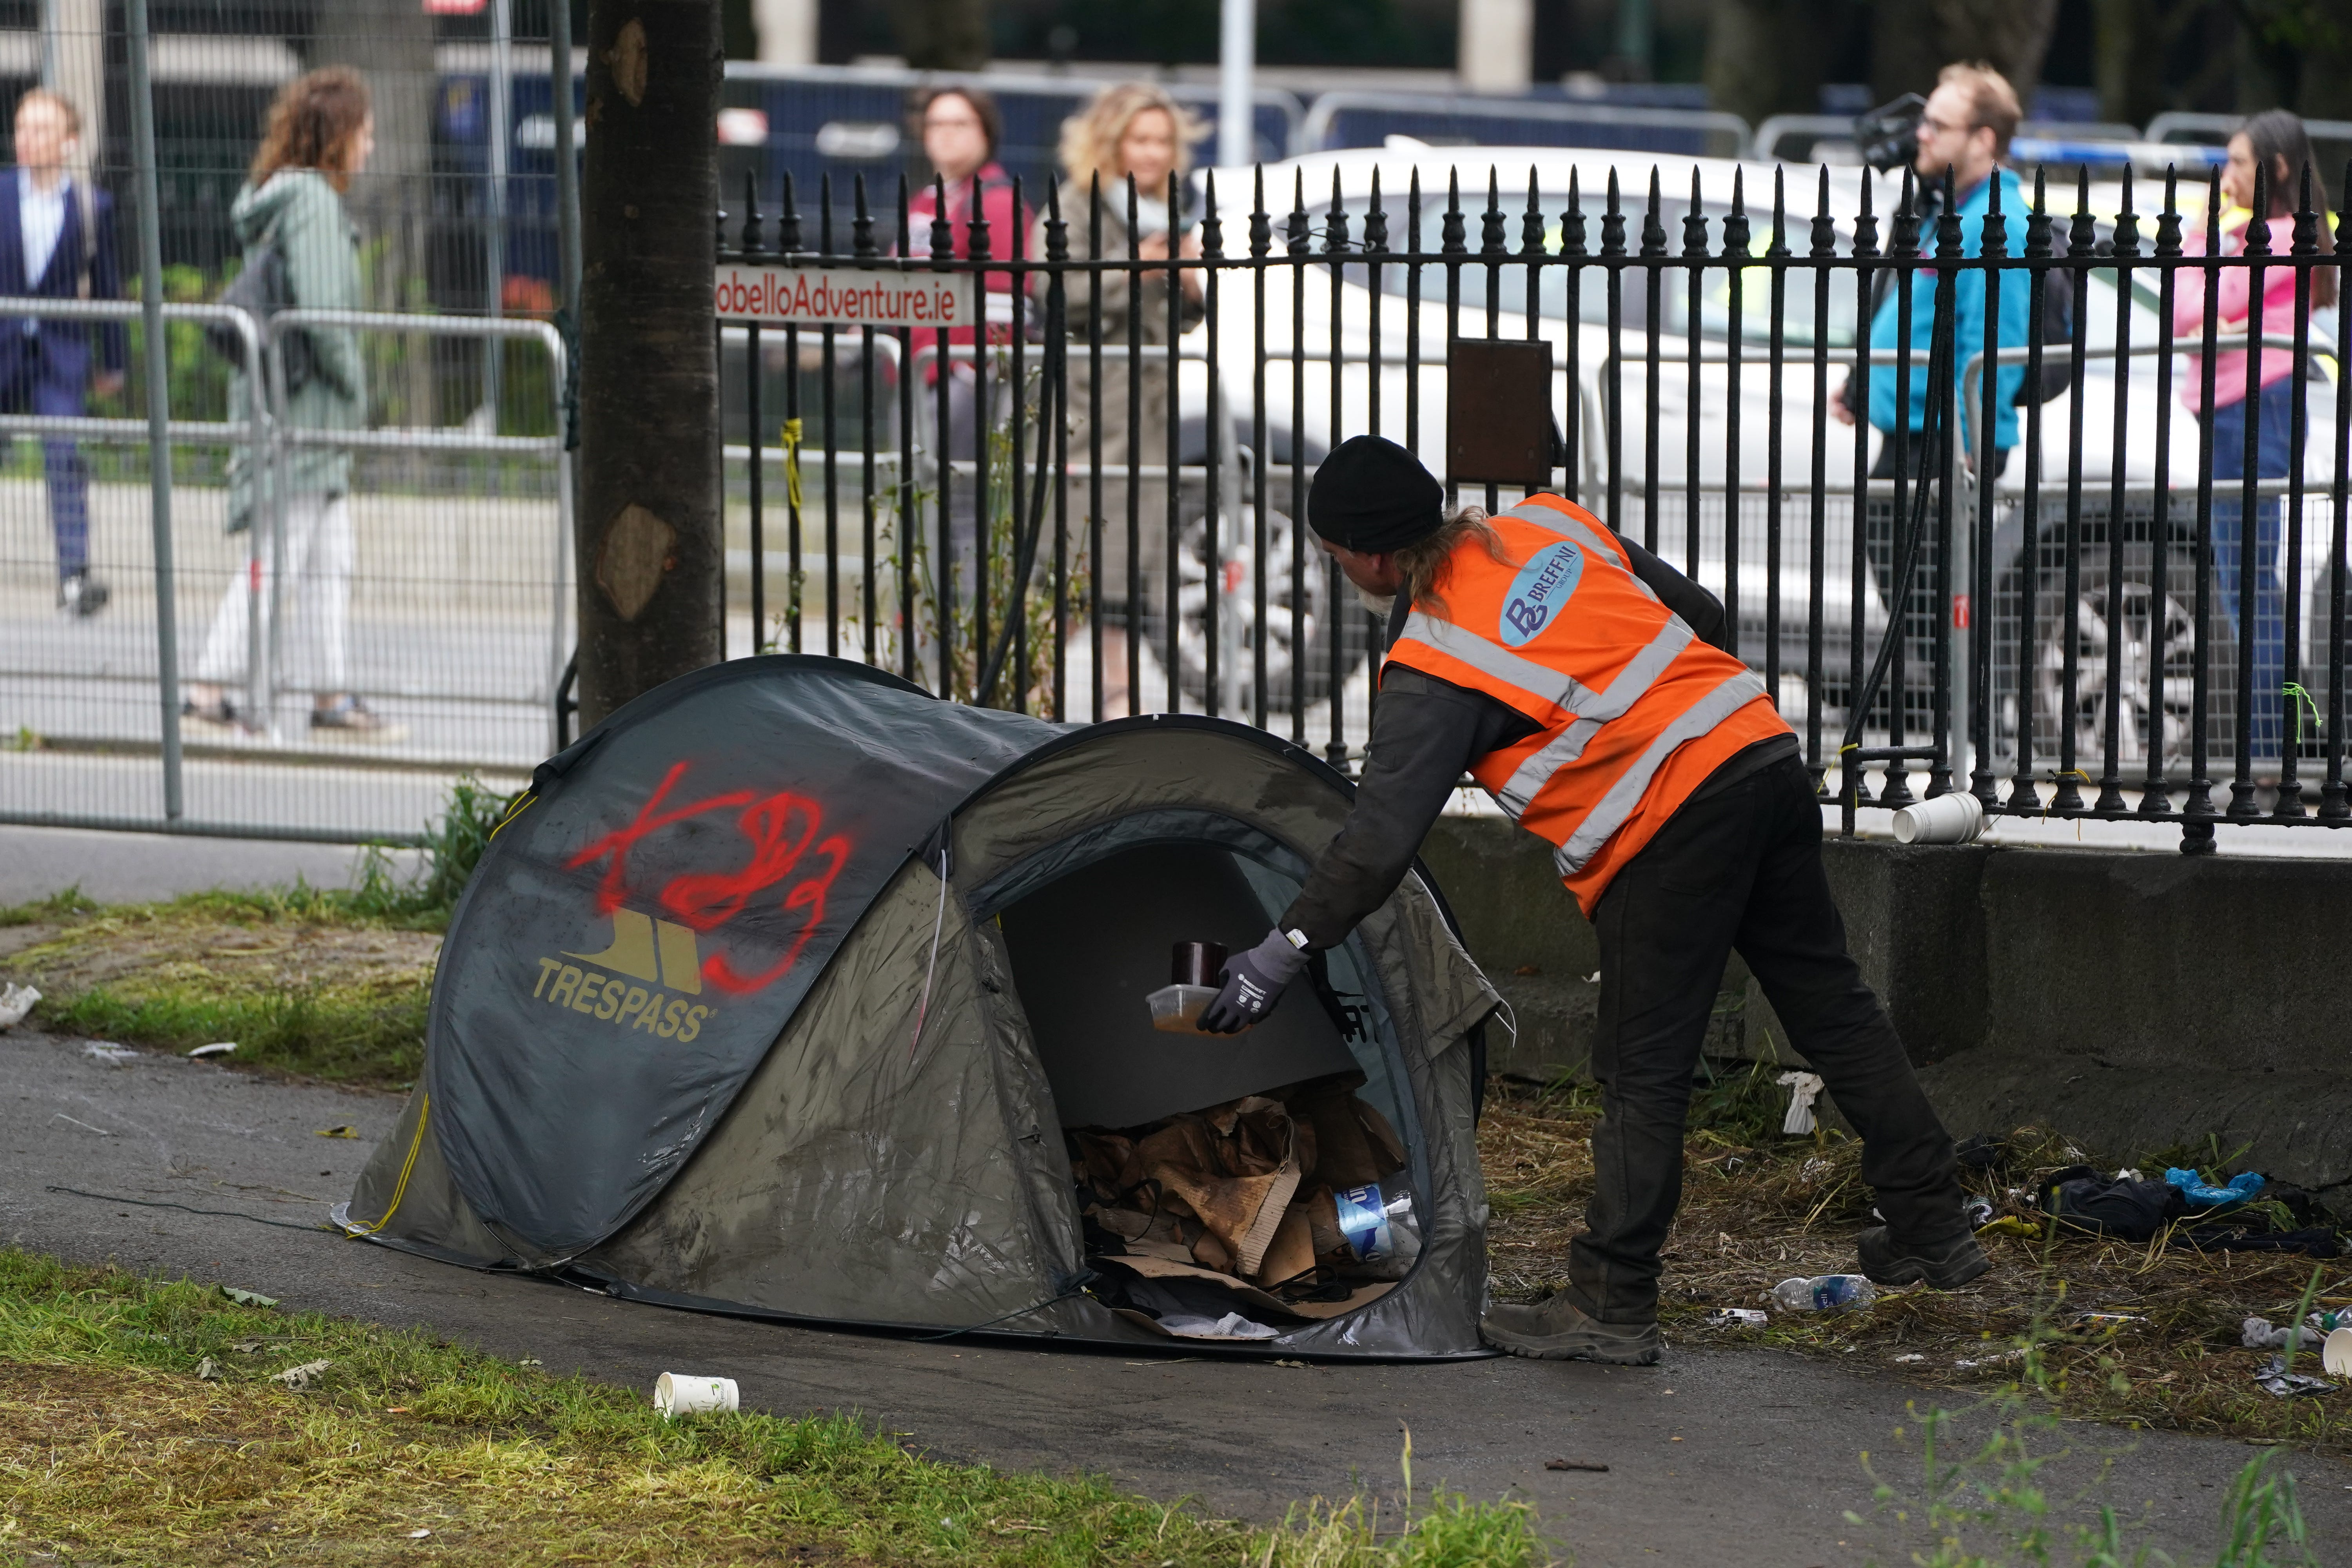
x=1955, y=818
x=677, y=1394
x=2335, y=1353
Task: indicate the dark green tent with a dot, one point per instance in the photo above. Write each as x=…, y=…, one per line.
x=783, y=992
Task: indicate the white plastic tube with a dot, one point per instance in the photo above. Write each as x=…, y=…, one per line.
x=2335, y=1353
x=677, y=1394
x=1955, y=818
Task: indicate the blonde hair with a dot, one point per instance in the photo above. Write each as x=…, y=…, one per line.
x=1991, y=100
x=1090, y=138
x=1425, y=563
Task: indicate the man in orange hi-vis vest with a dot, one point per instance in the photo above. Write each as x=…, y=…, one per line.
x=1582, y=682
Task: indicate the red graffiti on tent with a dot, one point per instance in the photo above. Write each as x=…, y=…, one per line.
x=779, y=828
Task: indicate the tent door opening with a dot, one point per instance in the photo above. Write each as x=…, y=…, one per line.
x=1229, y=1188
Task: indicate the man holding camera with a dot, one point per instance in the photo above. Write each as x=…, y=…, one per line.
x=1964, y=129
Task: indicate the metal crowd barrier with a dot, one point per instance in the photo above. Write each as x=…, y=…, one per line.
x=456, y=592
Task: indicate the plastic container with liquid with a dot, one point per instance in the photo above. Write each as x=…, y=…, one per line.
x=1193, y=968
x=1825, y=1293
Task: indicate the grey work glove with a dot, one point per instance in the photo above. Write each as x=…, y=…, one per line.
x=1253, y=984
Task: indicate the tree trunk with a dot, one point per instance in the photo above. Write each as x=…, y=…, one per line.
x=1769, y=57
x=650, y=554
x=1911, y=40
x=390, y=42
x=941, y=35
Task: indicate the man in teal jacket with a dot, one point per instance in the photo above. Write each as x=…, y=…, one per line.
x=1966, y=129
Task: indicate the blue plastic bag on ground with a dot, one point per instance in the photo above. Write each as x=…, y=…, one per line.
x=2202, y=1195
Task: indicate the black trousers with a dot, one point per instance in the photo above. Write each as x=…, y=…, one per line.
x=1739, y=868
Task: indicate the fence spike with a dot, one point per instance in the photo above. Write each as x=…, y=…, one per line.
x=2082, y=234
x=1301, y=227
x=1261, y=223
x=906, y=218
x=1531, y=225
x=1413, y=212
x=751, y=211
x=942, y=226
x=978, y=242
x=2168, y=224
x=1057, y=229
x=1452, y=233
x=825, y=214
x=2126, y=220
x=861, y=227
x=1780, y=245
x=1736, y=236
x=1612, y=221
x=1824, y=224
x=2306, y=222
x=1376, y=221
x=1571, y=222
x=1490, y=222
x=1694, y=222
x=1654, y=228
x=788, y=221
x=1335, y=225
x=1213, y=231
x=1866, y=224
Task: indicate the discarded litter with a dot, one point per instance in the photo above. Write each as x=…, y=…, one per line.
x=300, y=1377
x=1825, y=1293
x=2011, y=1224
x=217, y=1048
x=2260, y=1334
x=1301, y=1365
x=1803, y=1088
x=1977, y=1363
x=2109, y=1322
x=16, y=1002
x=1739, y=1318
x=418, y=1534
x=338, y=1132
x=1976, y=1211
x=208, y=1370
x=2202, y=1194
x=2272, y=1377
x=248, y=1298
x=2335, y=1353
x=677, y=1394
x=1955, y=818
x=1914, y=1359
x=110, y=1053
x=1274, y=1209
x=1575, y=1465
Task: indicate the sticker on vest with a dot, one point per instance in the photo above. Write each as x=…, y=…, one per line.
x=1542, y=586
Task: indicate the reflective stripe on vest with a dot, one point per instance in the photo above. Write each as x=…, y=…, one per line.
x=1633, y=710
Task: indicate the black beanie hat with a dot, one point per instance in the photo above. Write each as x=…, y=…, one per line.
x=1372, y=496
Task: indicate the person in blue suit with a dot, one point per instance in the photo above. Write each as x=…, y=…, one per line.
x=57, y=241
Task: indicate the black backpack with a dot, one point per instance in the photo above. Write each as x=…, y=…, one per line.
x=262, y=290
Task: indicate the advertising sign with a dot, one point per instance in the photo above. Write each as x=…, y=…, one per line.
x=843, y=296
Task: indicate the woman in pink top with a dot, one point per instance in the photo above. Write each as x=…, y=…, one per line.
x=2275, y=145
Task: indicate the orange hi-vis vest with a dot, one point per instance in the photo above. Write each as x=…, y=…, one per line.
x=1635, y=710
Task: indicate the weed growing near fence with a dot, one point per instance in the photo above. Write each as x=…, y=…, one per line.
x=143, y=1421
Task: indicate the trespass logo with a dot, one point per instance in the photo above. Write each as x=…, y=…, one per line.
x=1542, y=586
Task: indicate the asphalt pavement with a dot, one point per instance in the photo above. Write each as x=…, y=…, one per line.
x=1718, y=1456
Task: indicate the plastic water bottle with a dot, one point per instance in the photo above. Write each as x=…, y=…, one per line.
x=1825, y=1293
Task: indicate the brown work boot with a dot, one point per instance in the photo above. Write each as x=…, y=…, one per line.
x=1559, y=1329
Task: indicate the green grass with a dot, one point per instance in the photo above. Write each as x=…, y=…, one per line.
x=158, y=975
x=139, y=1423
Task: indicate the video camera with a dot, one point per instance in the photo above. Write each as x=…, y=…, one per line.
x=1888, y=136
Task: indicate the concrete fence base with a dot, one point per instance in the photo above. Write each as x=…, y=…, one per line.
x=2140, y=1004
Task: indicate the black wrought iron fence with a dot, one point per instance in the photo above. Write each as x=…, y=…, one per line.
x=1986, y=487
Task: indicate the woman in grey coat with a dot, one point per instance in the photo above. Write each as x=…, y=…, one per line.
x=319, y=135
x=1130, y=130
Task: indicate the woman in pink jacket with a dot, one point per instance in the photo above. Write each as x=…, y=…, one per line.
x=2276, y=144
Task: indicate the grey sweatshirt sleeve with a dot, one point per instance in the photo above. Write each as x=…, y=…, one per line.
x=1426, y=733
